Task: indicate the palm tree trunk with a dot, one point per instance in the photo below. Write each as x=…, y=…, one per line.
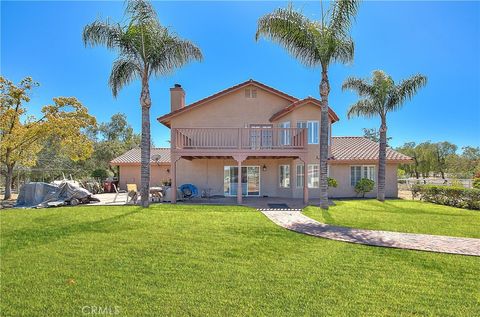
x=382, y=155
x=324, y=91
x=145, y=102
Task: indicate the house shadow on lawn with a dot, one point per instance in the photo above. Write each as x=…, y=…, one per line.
x=20, y=239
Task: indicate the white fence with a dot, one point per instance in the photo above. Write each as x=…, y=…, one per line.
x=408, y=182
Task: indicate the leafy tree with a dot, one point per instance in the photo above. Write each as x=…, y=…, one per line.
x=426, y=157
x=110, y=139
x=410, y=149
x=144, y=48
x=315, y=44
x=22, y=135
x=441, y=151
x=379, y=96
x=364, y=186
x=373, y=135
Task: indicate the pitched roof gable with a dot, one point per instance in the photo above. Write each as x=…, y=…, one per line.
x=165, y=119
x=299, y=103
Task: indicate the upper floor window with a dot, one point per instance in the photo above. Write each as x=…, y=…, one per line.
x=313, y=131
x=284, y=133
x=250, y=92
x=357, y=172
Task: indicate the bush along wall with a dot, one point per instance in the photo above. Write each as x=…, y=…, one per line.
x=448, y=195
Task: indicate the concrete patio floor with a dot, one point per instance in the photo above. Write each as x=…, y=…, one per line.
x=254, y=202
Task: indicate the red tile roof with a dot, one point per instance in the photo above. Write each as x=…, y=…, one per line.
x=351, y=148
x=165, y=118
x=298, y=103
x=133, y=157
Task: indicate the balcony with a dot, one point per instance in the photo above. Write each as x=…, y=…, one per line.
x=262, y=141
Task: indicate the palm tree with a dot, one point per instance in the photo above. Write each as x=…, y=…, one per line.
x=144, y=48
x=379, y=96
x=315, y=43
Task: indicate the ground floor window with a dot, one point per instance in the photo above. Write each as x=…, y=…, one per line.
x=250, y=180
x=300, y=175
x=284, y=176
x=313, y=178
x=357, y=172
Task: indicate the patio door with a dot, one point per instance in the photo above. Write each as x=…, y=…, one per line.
x=250, y=180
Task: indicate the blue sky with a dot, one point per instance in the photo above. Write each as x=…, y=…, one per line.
x=438, y=39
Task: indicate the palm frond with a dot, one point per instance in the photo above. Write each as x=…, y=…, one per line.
x=405, y=91
x=363, y=108
x=342, y=16
x=344, y=50
x=363, y=87
x=169, y=52
x=124, y=70
x=102, y=33
x=141, y=12
x=294, y=31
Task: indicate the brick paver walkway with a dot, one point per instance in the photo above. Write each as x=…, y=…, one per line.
x=296, y=221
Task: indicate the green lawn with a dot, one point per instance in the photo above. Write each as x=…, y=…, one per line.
x=401, y=215
x=214, y=261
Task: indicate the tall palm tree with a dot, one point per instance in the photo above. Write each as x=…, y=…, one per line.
x=144, y=48
x=315, y=43
x=379, y=96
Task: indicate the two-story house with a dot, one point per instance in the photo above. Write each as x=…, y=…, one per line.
x=253, y=140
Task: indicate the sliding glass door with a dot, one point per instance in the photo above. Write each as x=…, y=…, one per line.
x=250, y=180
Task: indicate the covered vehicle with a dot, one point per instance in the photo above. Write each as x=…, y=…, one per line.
x=38, y=194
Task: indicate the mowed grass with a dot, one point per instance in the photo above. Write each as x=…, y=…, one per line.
x=214, y=261
x=400, y=215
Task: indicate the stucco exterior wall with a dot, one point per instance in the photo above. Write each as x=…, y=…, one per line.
x=130, y=174
x=208, y=174
x=232, y=110
x=341, y=172
x=307, y=112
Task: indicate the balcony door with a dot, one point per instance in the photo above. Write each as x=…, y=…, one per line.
x=261, y=136
x=250, y=180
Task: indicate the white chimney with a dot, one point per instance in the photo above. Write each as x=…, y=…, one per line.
x=177, y=97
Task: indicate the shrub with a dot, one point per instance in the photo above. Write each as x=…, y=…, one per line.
x=476, y=183
x=448, y=195
x=364, y=185
x=332, y=182
x=101, y=173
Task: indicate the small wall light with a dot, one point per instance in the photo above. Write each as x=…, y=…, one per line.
x=264, y=167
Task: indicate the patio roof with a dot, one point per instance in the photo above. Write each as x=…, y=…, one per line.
x=133, y=157
x=352, y=149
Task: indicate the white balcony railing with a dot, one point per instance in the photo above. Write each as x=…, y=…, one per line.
x=256, y=139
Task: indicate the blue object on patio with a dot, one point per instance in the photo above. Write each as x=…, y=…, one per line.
x=189, y=190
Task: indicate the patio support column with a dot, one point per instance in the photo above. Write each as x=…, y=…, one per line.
x=305, y=182
x=239, y=159
x=239, y=183
x=173, y=172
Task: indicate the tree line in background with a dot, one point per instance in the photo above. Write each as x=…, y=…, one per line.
x=64, y=140
x=440, y=160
